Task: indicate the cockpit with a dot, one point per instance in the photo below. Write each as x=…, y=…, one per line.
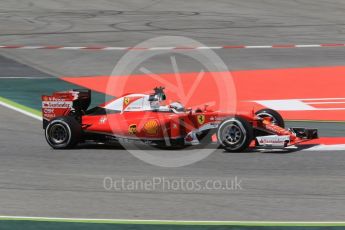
x=143, y=102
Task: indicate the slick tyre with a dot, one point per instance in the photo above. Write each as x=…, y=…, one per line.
x=235, y=134
x=63, y=133
x=276, y=117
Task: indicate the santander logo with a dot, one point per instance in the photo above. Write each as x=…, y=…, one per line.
x=57, y=104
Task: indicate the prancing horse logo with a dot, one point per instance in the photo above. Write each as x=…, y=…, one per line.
x=201, y=119
x=126, y=100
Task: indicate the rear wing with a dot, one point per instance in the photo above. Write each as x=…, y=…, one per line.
x=66, y=103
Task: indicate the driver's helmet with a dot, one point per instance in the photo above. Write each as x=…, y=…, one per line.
x=177, y=106
x=155, y=104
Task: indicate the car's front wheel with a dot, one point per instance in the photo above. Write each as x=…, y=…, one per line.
x=235, y=134
x=277, y=119
x=63, y=133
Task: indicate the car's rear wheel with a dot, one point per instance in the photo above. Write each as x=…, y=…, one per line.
x=277, y=119
x=63, y=133
x=235, y=134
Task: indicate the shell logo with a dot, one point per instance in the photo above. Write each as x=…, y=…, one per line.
x=151, y=127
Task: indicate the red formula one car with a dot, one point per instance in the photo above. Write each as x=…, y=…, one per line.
x=139, y=117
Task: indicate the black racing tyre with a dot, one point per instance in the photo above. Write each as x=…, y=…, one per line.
x=276, y=117
x=63, y=133
x=235, y=134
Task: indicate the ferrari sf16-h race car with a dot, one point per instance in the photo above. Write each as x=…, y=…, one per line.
x=67, y=121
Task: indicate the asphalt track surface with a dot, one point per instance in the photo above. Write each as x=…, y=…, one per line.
x=38, y=181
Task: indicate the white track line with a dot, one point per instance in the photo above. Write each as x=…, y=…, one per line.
x=28, y=78
x=160, y=48
x=20, y=110
x=307, y=46
x=338, y=147
x=31, y=47
x=115, y=48
x=209, y=47
x=258, y=47
x=70, y=48
x=109, y=48
x=173, y=221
